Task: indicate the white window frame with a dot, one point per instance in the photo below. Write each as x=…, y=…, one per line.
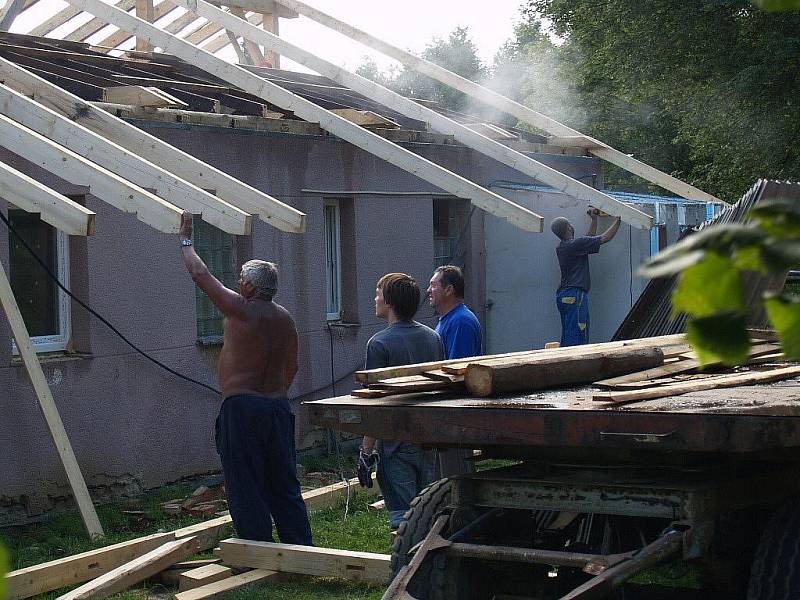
x=333, y=272
x=56, y=342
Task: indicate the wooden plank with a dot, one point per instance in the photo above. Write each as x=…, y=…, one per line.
x=308, y=560
x=57, y=20
x=500, y=102
x=365, y=118
x=376, y=506
x=138, y=95
x=709, y=383
x=131, y=573
x=261, y=6
x=573, y=141
x=10, y=12
x=682, y=366
x=307, y=110
x=120, y=36
x=555, y=371
x=208, y=533
x=144, y=10
x=423, y=385
x=414, y=110
x=252, y=48
x=331, y=495
x=104, y=184
x=48, y=407
x=182, y=164
x=117, y=160
x=458, y=366
x=203, y=575
x=53, y=208
x=39, y=579
x=226, y=585
x=216, y=44
x=93, y=26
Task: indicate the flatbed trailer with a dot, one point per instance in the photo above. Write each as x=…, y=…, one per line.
x=591, y=494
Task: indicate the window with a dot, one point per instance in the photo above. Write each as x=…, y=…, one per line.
x=218, y=250
x=447, y=230
x=333, y=260
x=45, y=308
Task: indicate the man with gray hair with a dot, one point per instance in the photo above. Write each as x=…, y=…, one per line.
x=572, y=296
x=255, y=426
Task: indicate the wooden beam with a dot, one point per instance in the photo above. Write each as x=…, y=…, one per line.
x=138, y=95
x=252, y=48
x=78, y=568
x=218, y=588
x=53, y=208
x=120, y=36
x=115, y=159
x=48, y=407
x=500, y=102
x=93, y=26
x=219, y=42
x=10, y=12
x=414, y=110
x=56, y=21
x=308, y=560
x=104, y=184
x=182, y=164
x=307, y=110
x=240, y=54
x=144, y=10
x=259, y=6
x=139, y=569
x=573, y=141
x=708, y=383
x=195, y=578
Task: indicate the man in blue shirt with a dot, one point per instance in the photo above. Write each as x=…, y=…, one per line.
x=458, y=326
x=460, y=331
x=572, y=296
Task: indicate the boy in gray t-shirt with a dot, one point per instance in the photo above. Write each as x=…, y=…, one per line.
x=403, y=468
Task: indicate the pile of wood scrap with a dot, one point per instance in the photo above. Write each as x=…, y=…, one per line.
x=203, y=502
x=167, y=557
x=630, y=370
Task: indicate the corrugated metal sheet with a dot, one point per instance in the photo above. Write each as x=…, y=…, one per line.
x=652, y=313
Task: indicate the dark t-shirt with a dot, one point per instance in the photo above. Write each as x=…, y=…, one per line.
x=573, y=258
x=403, y=343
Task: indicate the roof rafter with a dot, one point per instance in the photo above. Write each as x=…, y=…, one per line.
x=104, y=184
x=94, y=25
x=411, y=109
x=135, y=140
x=358, y=136
x=521, y=112
x=33, y=197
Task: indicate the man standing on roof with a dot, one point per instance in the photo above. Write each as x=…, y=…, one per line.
x=255, y=426
x=404, y=469
x=572, y=296
x=460, y=331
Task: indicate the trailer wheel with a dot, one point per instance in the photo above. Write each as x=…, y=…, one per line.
x=775, y=574
x=418, y=520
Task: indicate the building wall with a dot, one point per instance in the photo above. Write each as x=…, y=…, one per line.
x=132, y=424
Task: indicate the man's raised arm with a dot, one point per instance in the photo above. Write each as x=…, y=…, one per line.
x=227, y=301
x=593, y=214
x=609, y=233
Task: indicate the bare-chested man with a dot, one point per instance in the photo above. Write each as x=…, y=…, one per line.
x=255, y=426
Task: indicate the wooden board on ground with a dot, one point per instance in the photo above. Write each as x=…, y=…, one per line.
x=217, y=588
x=171, y=575
x=201, y=576
x=379, y=505
x=677, y=389
x=133, y=572
x=55, y=574
x=308, y=560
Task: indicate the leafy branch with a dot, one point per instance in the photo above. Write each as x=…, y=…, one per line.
x=710, y=265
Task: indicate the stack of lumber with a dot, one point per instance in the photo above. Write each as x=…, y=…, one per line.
x=115, y=568
x=629, y=370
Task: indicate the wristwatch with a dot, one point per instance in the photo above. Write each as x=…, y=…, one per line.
x=186, y=242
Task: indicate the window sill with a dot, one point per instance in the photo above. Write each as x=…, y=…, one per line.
x=52, y=357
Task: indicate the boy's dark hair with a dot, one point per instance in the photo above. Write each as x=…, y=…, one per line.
x=401, y=292
x=452, y=275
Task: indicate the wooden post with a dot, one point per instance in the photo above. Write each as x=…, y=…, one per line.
x=270, y=23
x=144, y=10
x=48, y=406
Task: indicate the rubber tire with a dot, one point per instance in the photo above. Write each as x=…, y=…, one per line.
x=775, y=574
x=418, y=520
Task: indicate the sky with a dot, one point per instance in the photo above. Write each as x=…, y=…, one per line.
x=410, y=24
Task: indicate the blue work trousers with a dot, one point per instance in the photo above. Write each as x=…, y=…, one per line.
x=255, y=440
x=402, y=474
x=573, y=306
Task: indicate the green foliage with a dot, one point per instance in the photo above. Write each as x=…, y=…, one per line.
x=784, y=314
x=695, y=296
x=777, y=5
x=3, y=570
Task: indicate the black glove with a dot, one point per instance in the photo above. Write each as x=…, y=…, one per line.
x=366, y=465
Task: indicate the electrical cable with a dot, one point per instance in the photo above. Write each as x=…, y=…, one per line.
x=630, y=259
x=91, y=311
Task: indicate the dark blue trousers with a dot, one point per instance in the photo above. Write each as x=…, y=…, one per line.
x=255, y=440
x=573, y=306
